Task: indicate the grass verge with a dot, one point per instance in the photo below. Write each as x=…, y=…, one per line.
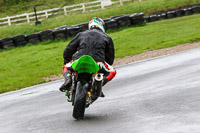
x=15, y=7
x=26, y=66
x=146, y=6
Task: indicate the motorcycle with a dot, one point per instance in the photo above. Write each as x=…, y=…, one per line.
x=86, y=85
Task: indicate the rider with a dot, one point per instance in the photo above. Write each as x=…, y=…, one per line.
x=95, y=43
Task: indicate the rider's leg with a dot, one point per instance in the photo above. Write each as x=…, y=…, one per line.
x=108, y=70
x=109, y=73
x=67, y=76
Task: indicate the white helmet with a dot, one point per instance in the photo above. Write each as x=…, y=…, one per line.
x=96, y=23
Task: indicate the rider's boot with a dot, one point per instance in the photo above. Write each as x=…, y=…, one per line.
x=68, y=82
x=102, y=95
x=105, y=80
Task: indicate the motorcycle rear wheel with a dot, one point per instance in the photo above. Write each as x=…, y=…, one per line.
x=80, y=100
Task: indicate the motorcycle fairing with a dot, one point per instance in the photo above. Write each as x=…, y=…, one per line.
x=85, y=64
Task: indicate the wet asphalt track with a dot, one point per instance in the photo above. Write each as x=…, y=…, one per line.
x=161, y=95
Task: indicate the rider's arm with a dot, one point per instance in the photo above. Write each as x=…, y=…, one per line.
x=71, y=49
x=110, y=52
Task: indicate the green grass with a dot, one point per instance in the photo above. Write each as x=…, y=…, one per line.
x=15, y=7
x=26, y=66
x=157, y=35
x=147, y=6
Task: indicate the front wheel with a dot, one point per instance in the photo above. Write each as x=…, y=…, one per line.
x=80, y=100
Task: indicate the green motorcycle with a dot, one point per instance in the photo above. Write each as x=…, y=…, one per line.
x=86, y=85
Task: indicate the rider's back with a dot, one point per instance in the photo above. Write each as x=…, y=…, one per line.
x=94, y=43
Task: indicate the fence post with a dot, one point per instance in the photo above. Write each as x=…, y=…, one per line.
x=46, y=14
x=121, y=2
x=9, y=22
x=83, y=8
x=65, y=11
x=105, y=3
x=27, y=17
x=102, y=4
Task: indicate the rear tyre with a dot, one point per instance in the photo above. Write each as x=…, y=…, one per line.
x=80, y=100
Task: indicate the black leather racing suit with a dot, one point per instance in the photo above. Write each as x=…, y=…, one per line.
x=94, y=43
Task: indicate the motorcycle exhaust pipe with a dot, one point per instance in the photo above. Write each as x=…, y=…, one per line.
x=98, y=83
x=99, y=77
